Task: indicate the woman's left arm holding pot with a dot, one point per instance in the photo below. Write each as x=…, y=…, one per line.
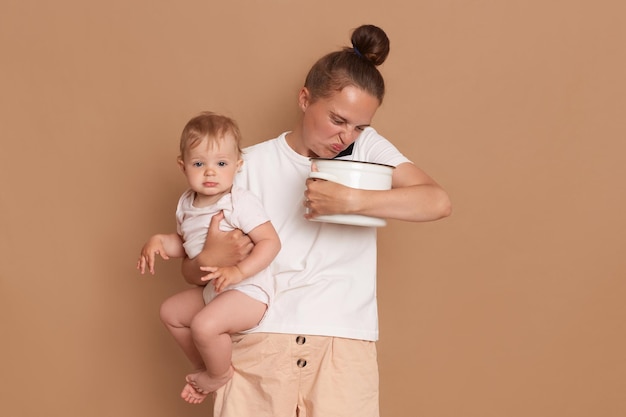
x=414, y=197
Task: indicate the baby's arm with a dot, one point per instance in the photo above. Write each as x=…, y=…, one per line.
x=266, y=247
x=168, y=246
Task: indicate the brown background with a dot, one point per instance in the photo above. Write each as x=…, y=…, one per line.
x=514, y=306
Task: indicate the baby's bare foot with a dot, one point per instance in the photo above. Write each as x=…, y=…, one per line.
x=191, y=395
x=204, y=384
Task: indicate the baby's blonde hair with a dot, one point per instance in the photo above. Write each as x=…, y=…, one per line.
x=208, y=126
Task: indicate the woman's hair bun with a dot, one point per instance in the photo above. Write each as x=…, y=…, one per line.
x=371, y=42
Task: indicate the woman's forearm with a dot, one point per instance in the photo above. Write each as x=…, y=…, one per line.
x=416, y=203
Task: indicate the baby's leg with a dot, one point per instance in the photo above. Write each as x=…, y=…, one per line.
x=230, y=312
x=177, y=313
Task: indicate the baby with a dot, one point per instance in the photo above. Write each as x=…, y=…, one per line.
x=202, y=319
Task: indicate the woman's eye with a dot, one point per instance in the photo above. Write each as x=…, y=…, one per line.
x=337, y=122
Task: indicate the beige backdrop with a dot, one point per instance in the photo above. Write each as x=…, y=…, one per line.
x=513, y=307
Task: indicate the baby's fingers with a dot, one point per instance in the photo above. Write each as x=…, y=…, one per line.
x=149, y=259
x=210, y=276
x=219, y=284
x=145, y=261
x=213, y=273
x=141, y=265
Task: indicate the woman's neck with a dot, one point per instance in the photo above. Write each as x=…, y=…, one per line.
x=294, y=140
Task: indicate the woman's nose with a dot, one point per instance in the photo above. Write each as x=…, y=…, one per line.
x=349, y=134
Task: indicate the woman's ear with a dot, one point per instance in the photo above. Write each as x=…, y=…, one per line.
x=304, y=98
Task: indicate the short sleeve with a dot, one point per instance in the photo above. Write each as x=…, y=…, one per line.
x=248, y=211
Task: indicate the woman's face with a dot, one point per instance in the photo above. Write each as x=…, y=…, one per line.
x=332, y=124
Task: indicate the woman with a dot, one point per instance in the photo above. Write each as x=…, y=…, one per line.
x=314, y=353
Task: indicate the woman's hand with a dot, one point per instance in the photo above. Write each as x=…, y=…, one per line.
x=323, y=197
x=220, y=249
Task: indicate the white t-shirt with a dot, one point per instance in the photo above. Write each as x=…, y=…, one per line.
x=325, y=274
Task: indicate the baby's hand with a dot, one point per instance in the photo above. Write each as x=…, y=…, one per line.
x=153, y=247
x=222, y=277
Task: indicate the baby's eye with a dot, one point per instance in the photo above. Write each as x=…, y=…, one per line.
x=197, y=164
x=222, y=163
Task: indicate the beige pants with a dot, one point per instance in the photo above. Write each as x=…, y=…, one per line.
x=281, y=375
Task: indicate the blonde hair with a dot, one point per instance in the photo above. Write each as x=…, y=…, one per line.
x=208, y=126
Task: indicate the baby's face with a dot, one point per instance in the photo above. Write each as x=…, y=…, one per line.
x=210, y=168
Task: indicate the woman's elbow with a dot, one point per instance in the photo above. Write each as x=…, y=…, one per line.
x=443, y=205
x=446, y=209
